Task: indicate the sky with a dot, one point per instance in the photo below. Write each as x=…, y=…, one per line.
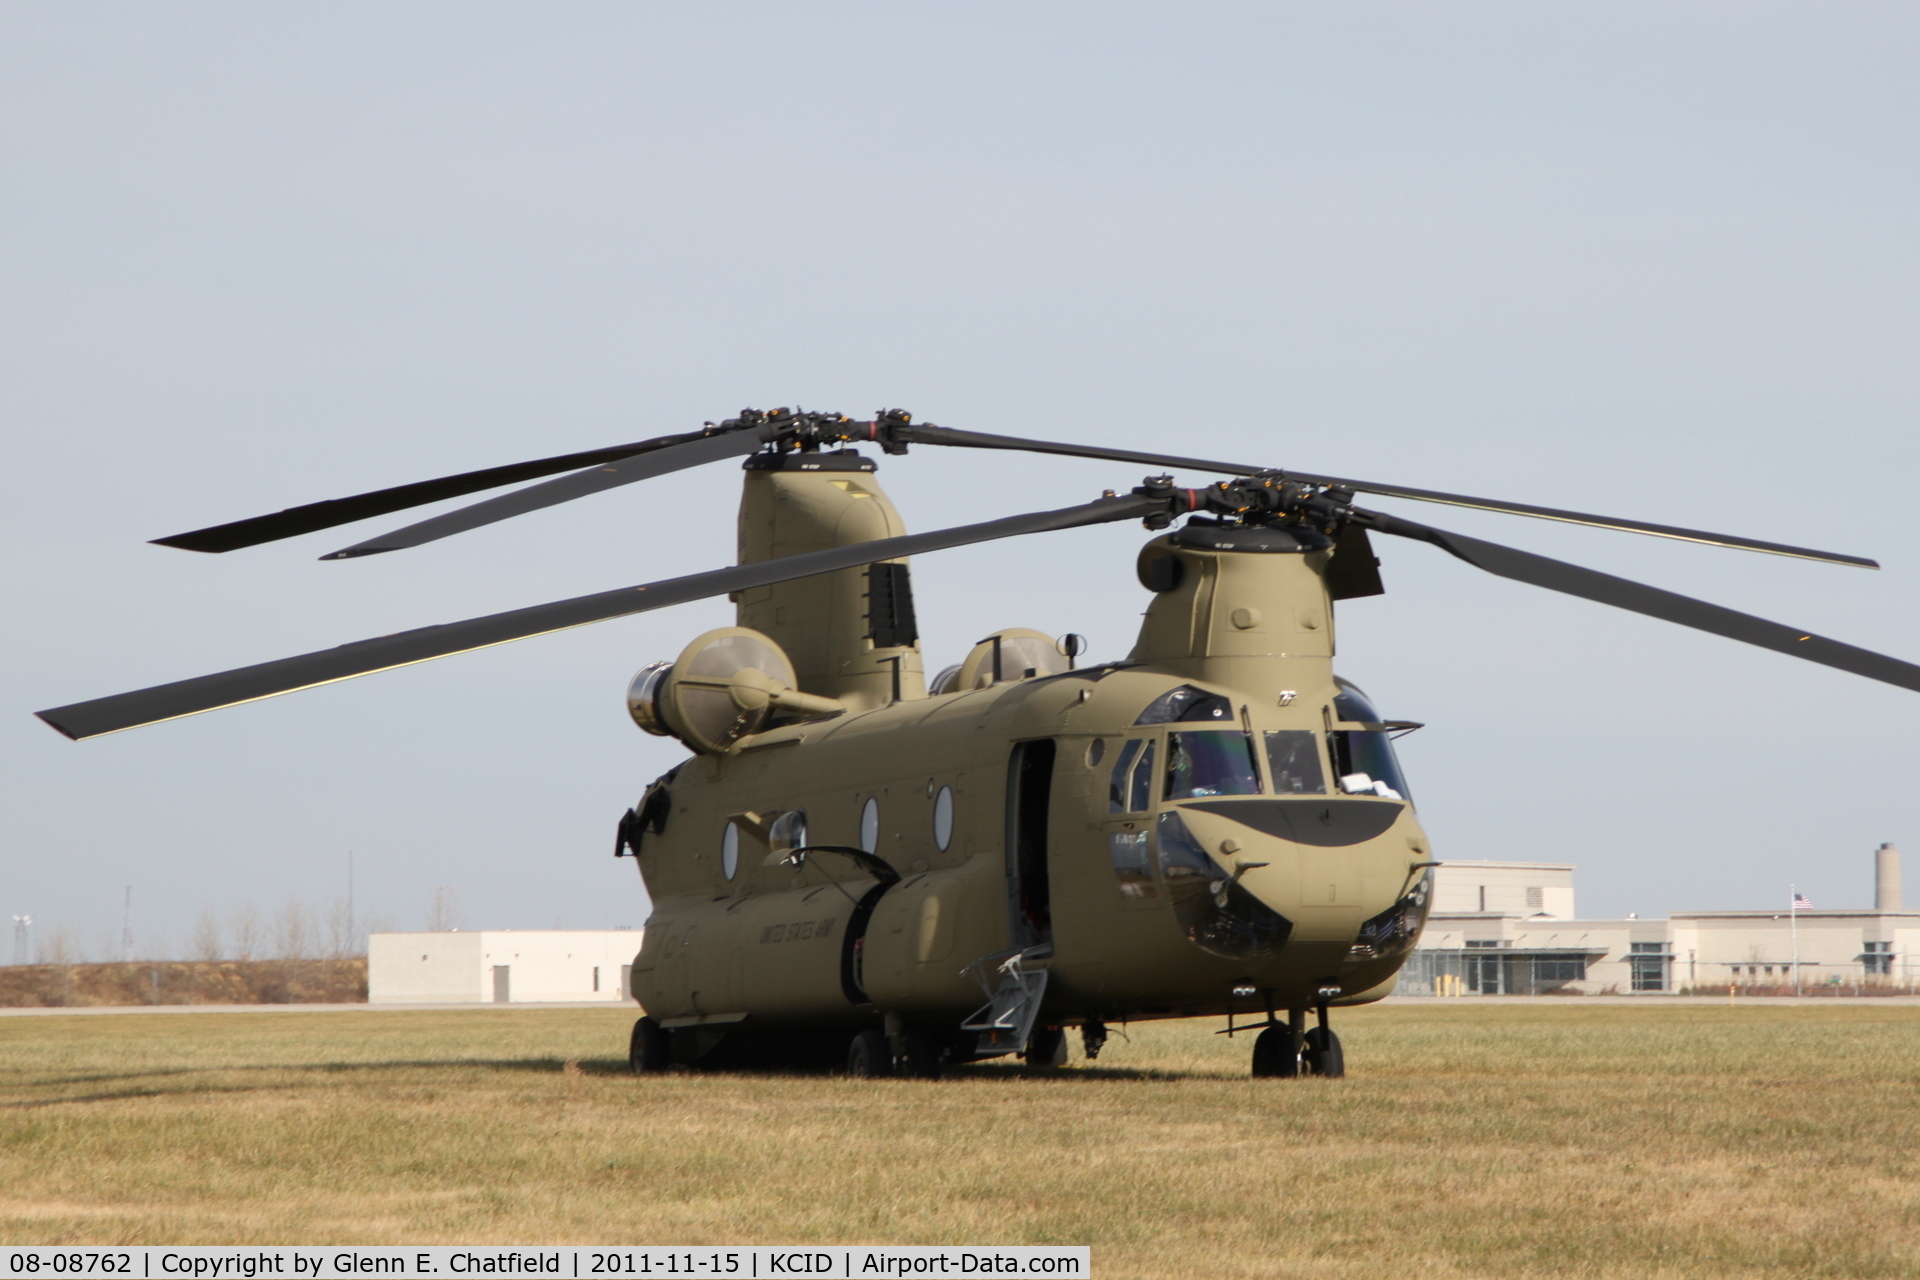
x=1649, y=259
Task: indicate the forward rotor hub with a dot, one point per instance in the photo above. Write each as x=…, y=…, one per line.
x=1265, y=499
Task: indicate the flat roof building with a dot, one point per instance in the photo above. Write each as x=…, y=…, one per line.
x=1804, y=948
x=1510, y=928
x=502, y=966
x=1504, y=888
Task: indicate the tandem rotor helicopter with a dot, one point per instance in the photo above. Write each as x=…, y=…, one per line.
x=920, y=873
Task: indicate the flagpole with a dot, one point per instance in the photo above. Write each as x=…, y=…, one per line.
x=1793, y=915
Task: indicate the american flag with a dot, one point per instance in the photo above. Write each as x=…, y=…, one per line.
x=1800, y=902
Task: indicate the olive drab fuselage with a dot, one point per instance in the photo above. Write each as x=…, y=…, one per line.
x=1176, y=867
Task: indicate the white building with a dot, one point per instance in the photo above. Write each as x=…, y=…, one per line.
x=1718, y=949
x=1510, y=928
x=1504, y=888
x=502, y=966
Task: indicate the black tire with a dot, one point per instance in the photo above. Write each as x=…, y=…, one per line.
x=651, y=1048
x=926, y=1054
x=1323, y=1055
x=869, y=1056
x=1047, y=1047
x=1273, y=1055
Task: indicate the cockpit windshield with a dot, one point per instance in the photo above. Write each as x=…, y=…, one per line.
x=1363, y=759
x=1211, y=762
x=1366, y=765
x=1293, y=758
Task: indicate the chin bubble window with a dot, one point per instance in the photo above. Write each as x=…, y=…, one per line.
x=1132, y=864
x=1363, y=758
x=1395, y=930
x=1215, y=911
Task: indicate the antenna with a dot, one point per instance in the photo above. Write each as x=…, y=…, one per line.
x=126, y=928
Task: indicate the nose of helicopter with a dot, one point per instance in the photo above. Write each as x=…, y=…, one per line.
x=1324, y=865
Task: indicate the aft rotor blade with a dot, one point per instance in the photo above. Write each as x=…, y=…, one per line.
x=268, y=679
x=315, y=516
x=925, y=433
x=688, y=452
x=1623, y=593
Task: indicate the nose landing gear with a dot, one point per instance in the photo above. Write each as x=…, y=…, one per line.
x=1285, y=1050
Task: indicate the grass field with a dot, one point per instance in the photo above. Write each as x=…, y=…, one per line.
x=1509, y=1140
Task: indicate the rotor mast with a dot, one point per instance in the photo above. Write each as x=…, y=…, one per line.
x=1242, y=606
x=849, y=633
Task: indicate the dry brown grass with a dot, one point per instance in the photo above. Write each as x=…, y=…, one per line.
x=135, y=982
x=1561, y=1139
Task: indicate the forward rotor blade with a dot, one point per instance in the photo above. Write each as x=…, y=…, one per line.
x=1623, y=593
x=1597, y=522
x=926, y=433
x=250, y=684
x=315, y=516
x=611, y=475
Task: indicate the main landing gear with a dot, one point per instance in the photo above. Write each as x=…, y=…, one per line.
x=1047, y=1047
x=913, y=1052
x=650, y=1048
x=1283, y=1051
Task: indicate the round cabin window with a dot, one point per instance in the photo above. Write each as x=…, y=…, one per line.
x=870, y=826
x=943, y=818
x=730, y=851
x=1095, y=751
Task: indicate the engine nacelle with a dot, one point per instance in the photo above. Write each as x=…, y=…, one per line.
x=726, y=685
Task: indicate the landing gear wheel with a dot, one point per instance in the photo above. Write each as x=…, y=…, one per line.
x=1047, y=1047
x=926, y=1054
x=1323, y=1055
x=1273, y=1055
x=869, y=1056
x=651, y=1048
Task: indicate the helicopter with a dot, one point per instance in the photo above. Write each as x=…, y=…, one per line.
x=862, y=864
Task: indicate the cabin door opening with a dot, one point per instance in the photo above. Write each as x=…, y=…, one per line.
x=1029, y=796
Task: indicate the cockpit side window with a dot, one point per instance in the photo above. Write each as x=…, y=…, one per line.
x=1293, y=759
x=1140, y=790
x=1185, y=705
x=1117, y=780
x=1211, y=762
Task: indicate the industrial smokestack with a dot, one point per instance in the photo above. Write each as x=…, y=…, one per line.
x=1886, y=878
